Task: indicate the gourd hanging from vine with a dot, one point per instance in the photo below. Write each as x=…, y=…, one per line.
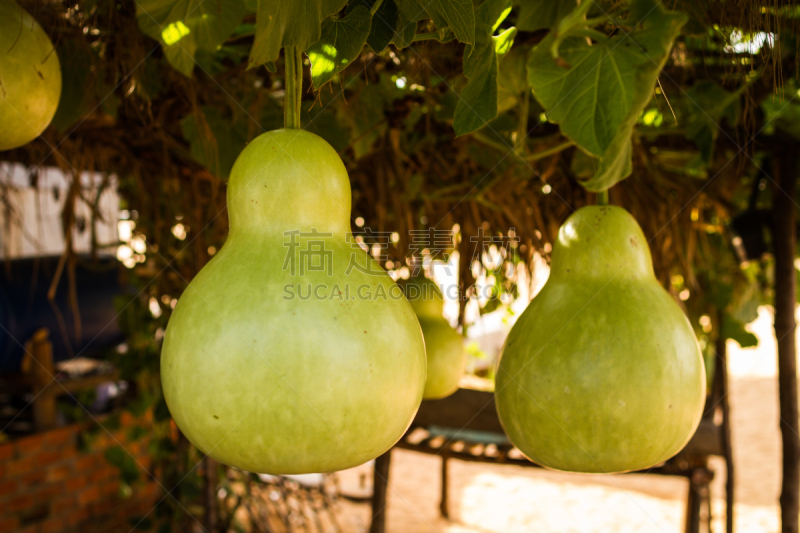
x=602, y=372
x=292, y=351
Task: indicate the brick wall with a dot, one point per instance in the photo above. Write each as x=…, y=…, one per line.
x=48, y=485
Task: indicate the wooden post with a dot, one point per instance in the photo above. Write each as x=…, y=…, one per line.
x=443, y=508
x=380, y=486
x=212, y=502
x=721, y=377
x=38, y=364
x=783, y=234
x=693, y=504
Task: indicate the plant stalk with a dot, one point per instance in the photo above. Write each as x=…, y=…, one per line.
x=602, y=197
x=522, y=128
x=293, y=59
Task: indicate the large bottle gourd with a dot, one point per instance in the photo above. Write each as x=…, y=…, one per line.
x=30, y=77
x=291, y=352
x=602, y=372
x=444, y=347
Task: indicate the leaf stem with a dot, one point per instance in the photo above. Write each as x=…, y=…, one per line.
x=293, y=81
x=602, y=197
x=432, y=36
x=541, y=154
x=375, y=7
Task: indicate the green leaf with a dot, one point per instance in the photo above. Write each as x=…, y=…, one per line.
x=502, y=43
x=592, y=97
x=707, y=105
x=384, y=26
x=76, y=65
x=340, y=43
x=128, y=469
x=184, y=26
x=289, y=23
x=513, y=80
x=458, y=15
x=409, y=12
x=733, y=329
x=478, y=101
x=596, y=91
x=540, y=14
x=214, y=142
x=365, y=114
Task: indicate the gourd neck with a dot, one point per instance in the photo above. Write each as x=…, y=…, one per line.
x=601, y=242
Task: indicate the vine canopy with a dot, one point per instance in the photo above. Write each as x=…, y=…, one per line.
x=594, y=84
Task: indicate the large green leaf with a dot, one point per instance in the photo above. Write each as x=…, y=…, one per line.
x=341, y=42
x=540, y=14
x=458, y=15
x=592, y=97
x=596, y=91
x=289, y=23
x=184, y=26
x=478, y=102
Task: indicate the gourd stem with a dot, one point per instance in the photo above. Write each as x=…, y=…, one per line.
x=293, y=58
x=602, y=197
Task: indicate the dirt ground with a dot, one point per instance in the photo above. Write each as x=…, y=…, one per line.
x=507, y=499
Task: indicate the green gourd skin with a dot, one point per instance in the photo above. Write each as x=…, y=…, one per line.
x=443, y=345
x=30, y=77
x=280, y=385
x=602, y=372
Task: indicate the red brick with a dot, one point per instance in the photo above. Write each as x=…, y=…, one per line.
x=61, y=437
x=21, y=503
x=104, y=473
x=8, y=487
x=6, y=451
x=33, y=479
x=110, y=487
x=75, y=483
x=49, y=492
x=46, y=458
x=63, y=503
x=90, y=494
x=59, y=472
x=88, y=463
x=30, y=444
x=77, y=516
x=51, y=525
x=8, y=525
x=23, y=465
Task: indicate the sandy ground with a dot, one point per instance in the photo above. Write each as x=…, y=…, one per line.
x=507, y=499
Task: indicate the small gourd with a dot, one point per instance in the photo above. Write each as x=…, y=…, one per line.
x=443, y=345
x=602, y=372
x=30, y=77
x=292, y=352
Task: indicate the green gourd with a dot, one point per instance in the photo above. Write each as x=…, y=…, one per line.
x=283, y=363
x=602, y=372
x=30, y=77
x=443, y=345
